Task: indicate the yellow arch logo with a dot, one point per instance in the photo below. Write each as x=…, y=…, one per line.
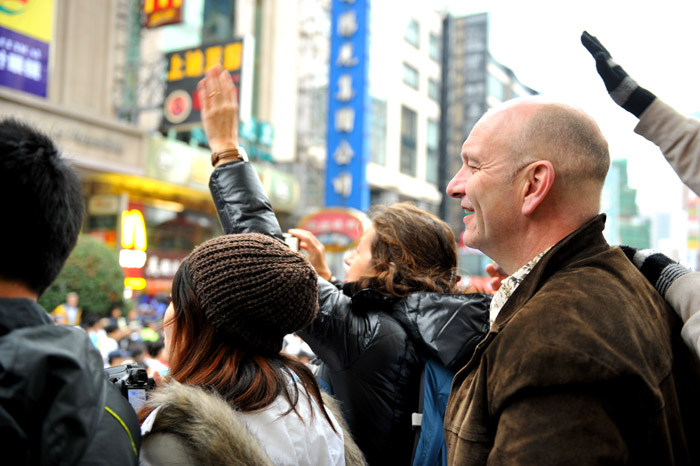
x=133, y=230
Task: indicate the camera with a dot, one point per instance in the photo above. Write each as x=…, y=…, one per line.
x=132, y=381
x=292, y=241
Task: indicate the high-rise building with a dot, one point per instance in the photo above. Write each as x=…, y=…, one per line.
x=473, y=82
x=624, y=224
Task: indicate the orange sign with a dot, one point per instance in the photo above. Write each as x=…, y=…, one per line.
x=162, y=12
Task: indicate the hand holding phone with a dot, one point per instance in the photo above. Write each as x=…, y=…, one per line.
x=292, y=241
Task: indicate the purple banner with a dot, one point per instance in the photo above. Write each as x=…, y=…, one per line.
x=23, y=62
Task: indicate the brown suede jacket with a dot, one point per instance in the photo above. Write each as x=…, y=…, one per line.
x=584, y=365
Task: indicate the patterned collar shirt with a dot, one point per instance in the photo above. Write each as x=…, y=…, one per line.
x=510, y=284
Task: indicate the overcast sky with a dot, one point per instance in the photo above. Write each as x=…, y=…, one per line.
x=657, y=43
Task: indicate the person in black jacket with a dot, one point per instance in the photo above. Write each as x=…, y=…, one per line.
x=374, y=335
x=56, y=407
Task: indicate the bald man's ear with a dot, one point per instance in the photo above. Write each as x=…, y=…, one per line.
x=538, y=182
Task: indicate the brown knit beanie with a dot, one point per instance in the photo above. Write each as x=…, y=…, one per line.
x=254, y=289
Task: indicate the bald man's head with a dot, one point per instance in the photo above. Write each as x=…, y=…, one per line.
x=567, y=137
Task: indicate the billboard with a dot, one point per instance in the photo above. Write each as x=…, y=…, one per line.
x=25, y=35
x=348, y=106
x=186, y=67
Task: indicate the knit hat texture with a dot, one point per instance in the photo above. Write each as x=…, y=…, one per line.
x=254, y=289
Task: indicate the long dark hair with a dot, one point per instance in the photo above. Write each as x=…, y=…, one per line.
x=200, y=355
x=413, y=250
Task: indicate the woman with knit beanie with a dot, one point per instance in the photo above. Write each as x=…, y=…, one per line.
x=231, y=396
x=398, y=309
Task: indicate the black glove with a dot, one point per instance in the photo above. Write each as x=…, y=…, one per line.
x=659, y=269
x=624, y=90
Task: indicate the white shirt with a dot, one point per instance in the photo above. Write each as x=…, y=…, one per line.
x=289, y=441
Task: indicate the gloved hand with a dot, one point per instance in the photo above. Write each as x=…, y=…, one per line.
x=624, y=90
x=660, y=270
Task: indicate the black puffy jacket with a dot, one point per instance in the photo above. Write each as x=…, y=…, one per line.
x=56, y=407
x=373, y=347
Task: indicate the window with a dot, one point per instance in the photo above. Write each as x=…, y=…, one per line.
x=434, y=47
x=412, y=35
x=434, y=90
x=431, y=164
x=378, y=132
x=410, y=76
x=409, y=123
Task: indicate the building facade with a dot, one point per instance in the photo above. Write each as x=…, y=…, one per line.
x=103, y=105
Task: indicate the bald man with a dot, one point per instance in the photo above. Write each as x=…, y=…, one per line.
x=584, y=363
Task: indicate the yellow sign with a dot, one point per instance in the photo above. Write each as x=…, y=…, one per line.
x=194, y=62
x=135, y=283
x=33, y=18
x=133, y=230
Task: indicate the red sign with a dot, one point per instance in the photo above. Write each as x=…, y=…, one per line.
x=337, y=228
x=162, y=12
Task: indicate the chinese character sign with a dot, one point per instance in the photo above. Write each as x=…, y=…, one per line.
x=25, y=35
x=187, y=67
x=348, y=106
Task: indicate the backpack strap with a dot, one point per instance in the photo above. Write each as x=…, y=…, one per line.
x=417, y=418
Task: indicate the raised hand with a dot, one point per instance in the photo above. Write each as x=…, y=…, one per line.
x=316, y=250
x=622, y=88
x=219, y=109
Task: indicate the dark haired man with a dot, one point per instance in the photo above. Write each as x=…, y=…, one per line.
x=55, y=404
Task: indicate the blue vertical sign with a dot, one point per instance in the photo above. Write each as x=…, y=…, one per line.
x=348, y=106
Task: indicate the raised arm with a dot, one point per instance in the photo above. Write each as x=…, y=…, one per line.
x=677, y=135
x=243, y=207
x=241, y=202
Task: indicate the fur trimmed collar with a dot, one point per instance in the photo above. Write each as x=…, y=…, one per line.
x=209, y=432
x=204, y=424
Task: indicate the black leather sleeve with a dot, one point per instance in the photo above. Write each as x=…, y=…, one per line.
x=241, y=202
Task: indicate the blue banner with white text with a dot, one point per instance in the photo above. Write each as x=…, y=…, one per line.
x=348, y=106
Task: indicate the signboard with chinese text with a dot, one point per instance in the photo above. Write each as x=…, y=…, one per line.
x=25, y=35
x=187, y=67
x=348, y=106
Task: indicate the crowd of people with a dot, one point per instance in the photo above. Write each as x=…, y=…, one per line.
x=134, y=337
x=585, y=354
